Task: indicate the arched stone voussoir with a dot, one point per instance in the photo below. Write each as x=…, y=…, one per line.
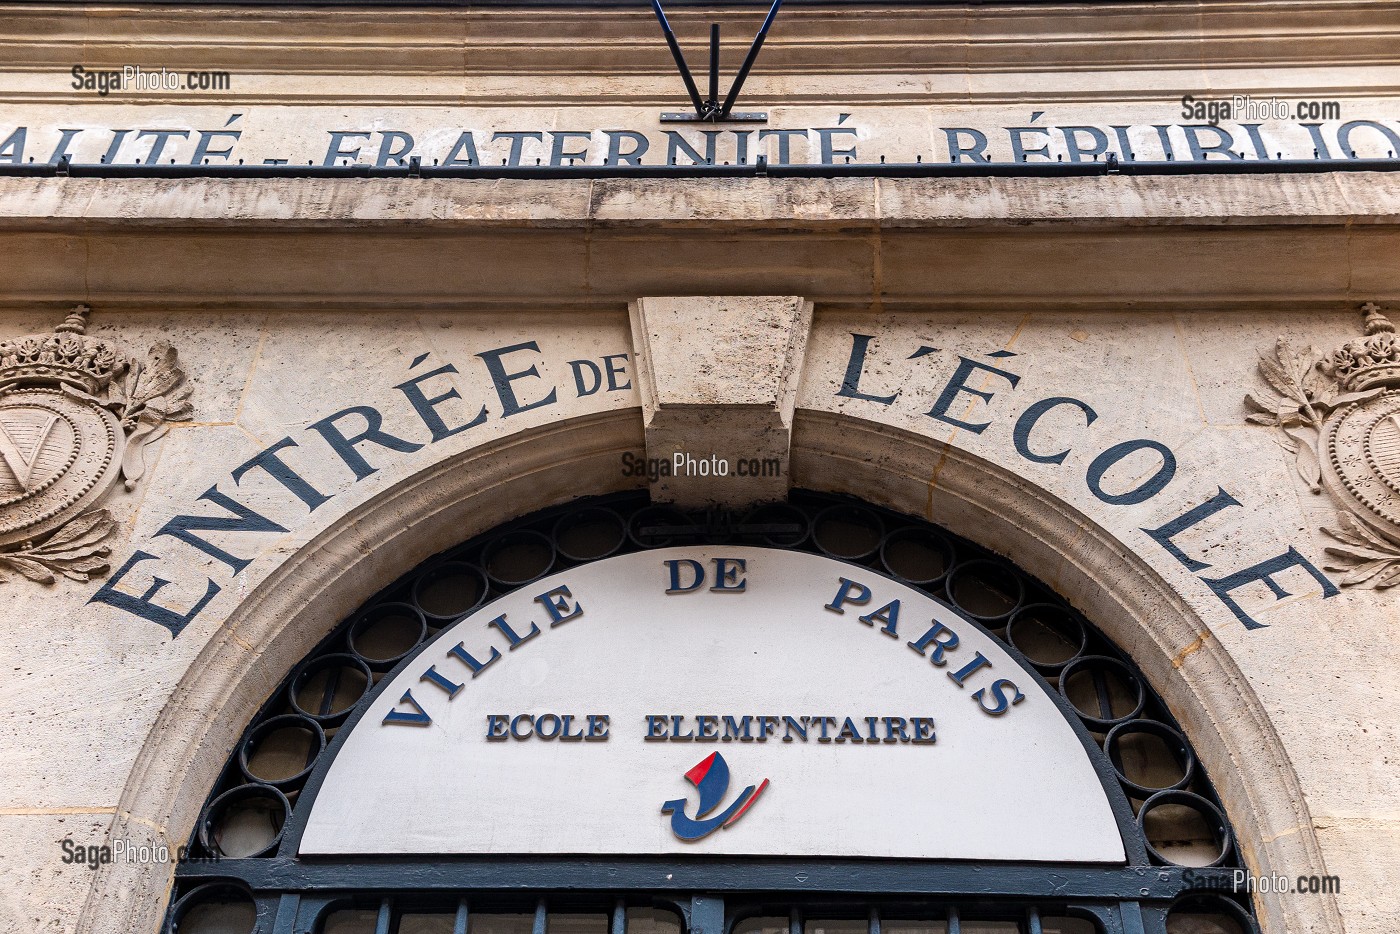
x=283, y=618
x=1124, y=595
x=359, y=551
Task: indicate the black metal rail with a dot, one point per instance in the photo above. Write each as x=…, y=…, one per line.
x=603, y=4
x=759, y=169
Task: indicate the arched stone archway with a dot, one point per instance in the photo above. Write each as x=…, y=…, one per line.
x=278, y=623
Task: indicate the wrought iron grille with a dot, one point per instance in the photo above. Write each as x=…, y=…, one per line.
x=244, y=874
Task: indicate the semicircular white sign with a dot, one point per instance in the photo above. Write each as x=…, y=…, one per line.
x=715, y=700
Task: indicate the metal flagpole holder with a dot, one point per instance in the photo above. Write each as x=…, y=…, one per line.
x=711, y=109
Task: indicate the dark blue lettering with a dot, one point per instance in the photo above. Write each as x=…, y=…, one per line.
x=517, y=143
x=502, y=380
x=142, y=606
x=1000, y=702
x=558, y=154
x=516, y=641
x=268, y=461
x=850, y=385
x=556, y=604
x=1263, y=573
x=242, y=520
x=402, y=718
x=674, y=566
x=334, y=152
x=578, y=367
x=940, y=646
x=887, y=616
x=976, y=150
x=427, y=407
x=1021, y=434
x=614, y=371
x=345, y=445
x=843, y=595
x=958, y=384
x=1164, y=534
x=1145, y=490
x=727, y=571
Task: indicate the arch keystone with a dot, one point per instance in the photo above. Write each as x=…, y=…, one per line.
x=713, y=438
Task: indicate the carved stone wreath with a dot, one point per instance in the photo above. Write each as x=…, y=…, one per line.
x=1338, y=415
x=76, y=413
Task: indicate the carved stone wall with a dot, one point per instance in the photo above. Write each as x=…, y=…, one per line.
x=375, y=369
x=193, y=666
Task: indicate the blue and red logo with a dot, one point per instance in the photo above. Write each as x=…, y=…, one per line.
x=711, y=778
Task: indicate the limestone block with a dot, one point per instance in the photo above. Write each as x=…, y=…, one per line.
x=1362, y=854
x=718, y=377
x=42, y=894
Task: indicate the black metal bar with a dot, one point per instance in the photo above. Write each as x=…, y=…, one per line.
x=288, y=906
x=913, y=877
x=328, y=692
x=1101, y=693
x=769, y=169
x=690, y=87
x=754, y=48
x=1133, y=921
x=459, y=923
x=576, y=4
x=707, y=915
x=712, y=102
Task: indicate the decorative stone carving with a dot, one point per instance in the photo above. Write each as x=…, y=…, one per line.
x=1339, y=416
x=75, y=415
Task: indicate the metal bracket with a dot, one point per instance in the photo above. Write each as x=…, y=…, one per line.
x=737, y=116
x=711, y=109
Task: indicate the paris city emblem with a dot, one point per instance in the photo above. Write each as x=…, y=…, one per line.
x=75, y=414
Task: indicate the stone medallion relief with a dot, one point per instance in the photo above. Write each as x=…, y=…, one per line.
x=76, y=413
x=1338, y=415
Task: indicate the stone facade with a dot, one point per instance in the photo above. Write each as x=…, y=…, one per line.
x=1055, y=368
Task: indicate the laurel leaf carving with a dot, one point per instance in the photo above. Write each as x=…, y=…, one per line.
x=1387, y=579
x=1348, y=398
x=1255, y=404
x=78, y=551
x=88, y=527
x=1369, y=559
x=1366, y=571
x=1305, y=460
x=1287, y=442
x=1362, y=534
x=27, y=568
x=1293, y=375
x=150, y=395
